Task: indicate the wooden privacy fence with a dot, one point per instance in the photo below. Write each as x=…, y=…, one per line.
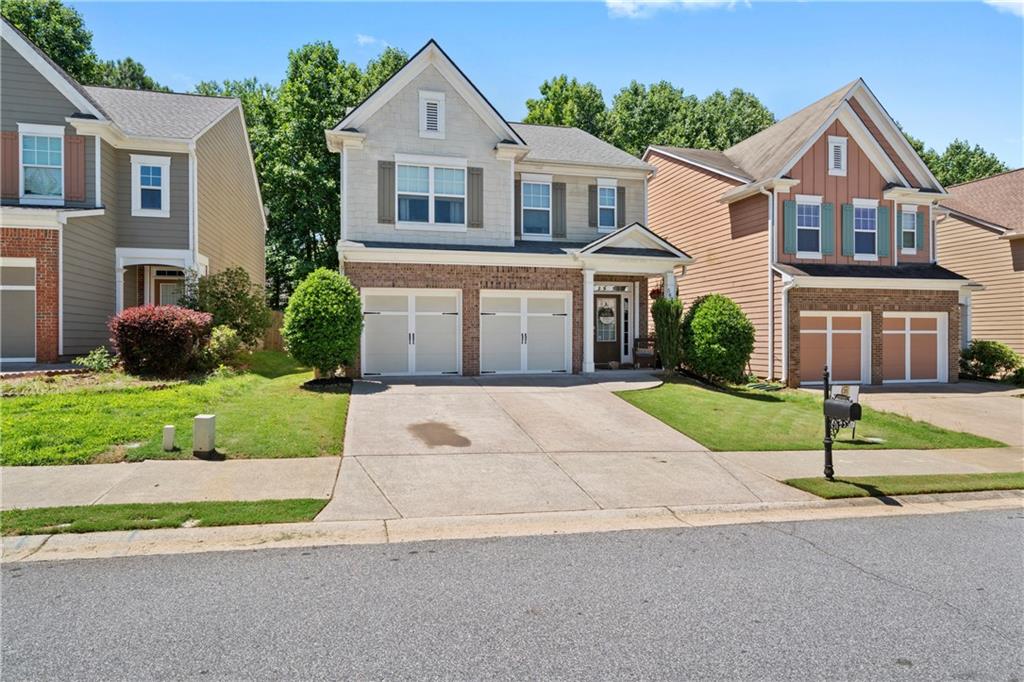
x=272, y=339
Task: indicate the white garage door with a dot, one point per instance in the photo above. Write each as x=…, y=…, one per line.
x=525, y=331
x=409, y=331
x=18, y=309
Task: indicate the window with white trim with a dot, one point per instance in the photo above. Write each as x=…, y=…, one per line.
x=606, y=208
x=908, y=230
x=431, y=114
x=536, y=219
x=151, y=179
x=41, y=163
x=865, y=229
x=431, y=194
x=808, y=227
x=836, y=155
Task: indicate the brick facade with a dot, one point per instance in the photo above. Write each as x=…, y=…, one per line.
x=875, y=301
x=471, y=279
x=43, y=245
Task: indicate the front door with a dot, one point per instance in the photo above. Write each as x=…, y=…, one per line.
x=606, y=329
x=169, y=291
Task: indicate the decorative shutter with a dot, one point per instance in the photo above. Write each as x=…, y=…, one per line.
x=519, y=208
x=848, y=247
x=386, y=192
x=9, y=165
x=919, y=237
x=884, y=232
x=475, y=198
x=592, y=205
x=828, y=229
x=558, y=209
x=789, y=226
x=74, y=168
x=620, y=207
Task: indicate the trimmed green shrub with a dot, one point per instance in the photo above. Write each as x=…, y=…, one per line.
x=225, y=345
x=988, y=359
x=667, y=313
x=98, y=360
x=1016, y=377
x=717, y=339
x=323, y=321
x=164, y=340
x=233, y=300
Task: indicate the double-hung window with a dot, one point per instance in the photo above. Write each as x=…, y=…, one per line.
x=865, y=229
x=808, y=226
x=536, y=209
x=908, y=230
x=431, y=195
x=150, y=182
x=606, y=208
x=42, y=163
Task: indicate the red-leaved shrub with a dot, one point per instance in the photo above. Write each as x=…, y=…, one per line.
x=163, y=340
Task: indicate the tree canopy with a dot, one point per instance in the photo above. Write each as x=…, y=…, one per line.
x=567, y=102
x=959, y=162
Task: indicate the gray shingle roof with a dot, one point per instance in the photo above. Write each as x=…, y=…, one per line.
x=997, y=199
x=902, y=271
x=712, y=158
x=160, y=114
x=572, y=145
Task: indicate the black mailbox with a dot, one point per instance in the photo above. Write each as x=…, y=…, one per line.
x=840, y=408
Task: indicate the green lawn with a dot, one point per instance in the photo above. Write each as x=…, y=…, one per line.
x=101, y=517
x=877, y=486
x=747, y=419
x=263, y=412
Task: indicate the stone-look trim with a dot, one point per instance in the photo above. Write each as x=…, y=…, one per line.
x=43, y=245
x=875, y=301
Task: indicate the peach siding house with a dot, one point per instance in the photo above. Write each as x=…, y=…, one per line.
x=982, y=237
x=822, y=228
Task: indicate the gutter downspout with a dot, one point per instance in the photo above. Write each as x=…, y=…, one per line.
x=772, y=198
x=785, y=329
x=193, y=188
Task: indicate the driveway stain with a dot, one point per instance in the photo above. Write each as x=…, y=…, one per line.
x=437, y=434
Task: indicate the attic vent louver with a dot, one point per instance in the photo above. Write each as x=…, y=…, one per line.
x=432, y=117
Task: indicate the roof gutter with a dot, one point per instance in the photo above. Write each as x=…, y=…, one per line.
x=749, y=190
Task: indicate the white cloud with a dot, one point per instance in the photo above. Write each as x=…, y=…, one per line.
x=362, y=39
x=639, y=9
x=1011, y=6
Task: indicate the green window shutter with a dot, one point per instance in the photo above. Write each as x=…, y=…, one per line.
x=884, y=231
x=828, y=229
x=475, y=197
x=848, y=229
x=519, y=208
x=386, y=192
x=558, y=209
x=789, y=226
x=620, y=207
x=592, y=205
x=919, y=238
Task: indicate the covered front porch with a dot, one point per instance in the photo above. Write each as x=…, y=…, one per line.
x=154, y=276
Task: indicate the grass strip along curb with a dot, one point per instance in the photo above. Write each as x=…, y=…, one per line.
x=886, y=486
x=104, y=517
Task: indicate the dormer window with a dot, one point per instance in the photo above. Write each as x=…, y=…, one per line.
x=836, y=155
x=432, y=114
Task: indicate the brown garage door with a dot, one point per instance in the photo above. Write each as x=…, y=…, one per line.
x=838, y=340
x=912, y=345
x=17, y=310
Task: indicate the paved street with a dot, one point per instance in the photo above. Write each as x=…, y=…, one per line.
x=927, y=597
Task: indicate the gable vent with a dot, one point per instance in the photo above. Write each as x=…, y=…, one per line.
x=836, y=155
x=432, y=115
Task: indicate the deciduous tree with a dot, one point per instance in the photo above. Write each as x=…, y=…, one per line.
x=567, y=102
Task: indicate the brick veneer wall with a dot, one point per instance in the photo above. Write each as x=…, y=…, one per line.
x=471, y=279
x=17, y=242
x=875, y=301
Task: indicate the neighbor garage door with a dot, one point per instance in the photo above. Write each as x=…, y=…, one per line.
x=842, y=341
x=17, y=309
x=525, y=332
x=914, y=347
x=411, y=331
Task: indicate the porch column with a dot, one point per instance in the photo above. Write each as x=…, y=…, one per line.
x=118, y=289
x=588, y=320
x=669, y=284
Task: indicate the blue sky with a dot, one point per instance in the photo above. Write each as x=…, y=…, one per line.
x=943, y=70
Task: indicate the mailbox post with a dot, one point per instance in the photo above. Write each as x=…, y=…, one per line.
x=829, y=471
x=840, y=412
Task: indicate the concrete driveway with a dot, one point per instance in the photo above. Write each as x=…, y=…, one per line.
x=986, y=409
x=496, y=445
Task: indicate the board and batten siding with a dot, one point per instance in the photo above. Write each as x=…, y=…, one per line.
x=89, y=262
x=29, y=98
x=230, y=215
x=729, y=243
x=394, y=128
x=997, y=312
x=858, y=109
x=152, y=233
x=577, y=209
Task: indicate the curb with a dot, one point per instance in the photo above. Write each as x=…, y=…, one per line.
x=63, y=547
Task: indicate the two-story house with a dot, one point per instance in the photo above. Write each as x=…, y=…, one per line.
x=482, y=246
x=822, y=228
x=107, y=197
